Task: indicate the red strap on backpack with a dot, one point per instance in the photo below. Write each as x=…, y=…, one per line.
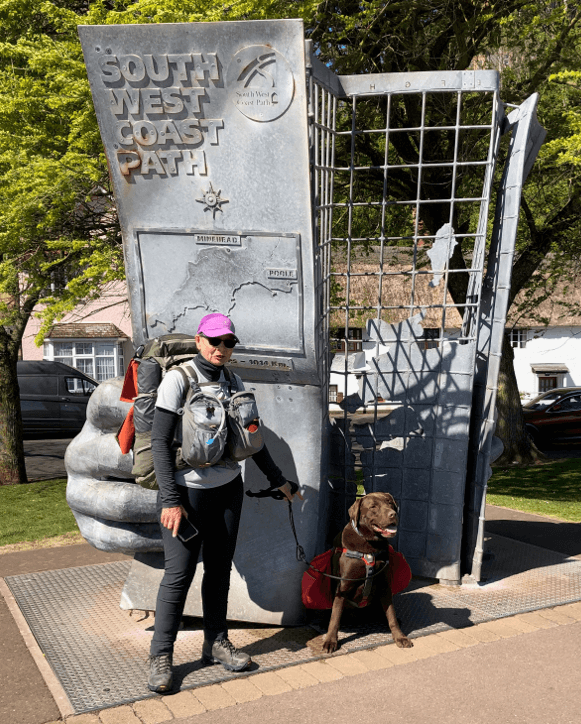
x=126, y=434
x=130, y=388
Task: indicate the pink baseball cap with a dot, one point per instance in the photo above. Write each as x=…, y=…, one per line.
x=216, y=325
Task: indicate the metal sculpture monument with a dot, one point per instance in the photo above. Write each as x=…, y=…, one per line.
x=205, y=130
x=221, y=140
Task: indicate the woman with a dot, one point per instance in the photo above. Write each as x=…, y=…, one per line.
x=211, y=499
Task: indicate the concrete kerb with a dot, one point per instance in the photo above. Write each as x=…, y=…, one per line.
x=53, y=684
x=189, y=703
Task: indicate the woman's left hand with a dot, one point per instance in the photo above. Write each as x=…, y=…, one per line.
x=286, y=490
x=171, y=518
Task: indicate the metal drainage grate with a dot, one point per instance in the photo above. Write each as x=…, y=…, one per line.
x=99, y=652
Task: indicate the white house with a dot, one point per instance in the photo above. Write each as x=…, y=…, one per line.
x=544, y=358
x=95, y=338
x=548, y=356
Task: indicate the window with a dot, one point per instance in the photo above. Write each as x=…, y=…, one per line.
x=544, y=402
x=431, y=338
x=546, y=384
x=518, y=338
x=354, y=336
x=76, y=386
x=334, y=394
x=38, y=385
x=570, y=404
x=97, y=359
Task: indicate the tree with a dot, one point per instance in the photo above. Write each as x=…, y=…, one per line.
x=60, y=240
x=530, y=43
x=59, y=235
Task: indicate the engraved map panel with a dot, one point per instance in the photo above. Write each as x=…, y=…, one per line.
x=253, y=278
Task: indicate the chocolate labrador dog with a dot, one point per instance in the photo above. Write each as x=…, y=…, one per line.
x=362, y=549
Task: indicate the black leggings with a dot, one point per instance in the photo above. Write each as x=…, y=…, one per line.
x=215, y=512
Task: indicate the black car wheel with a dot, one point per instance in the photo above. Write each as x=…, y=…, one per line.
x=533, y=433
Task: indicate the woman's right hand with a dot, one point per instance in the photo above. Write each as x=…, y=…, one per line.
x=171, y=518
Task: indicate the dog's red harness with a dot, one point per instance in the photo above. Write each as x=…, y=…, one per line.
x=370, y=561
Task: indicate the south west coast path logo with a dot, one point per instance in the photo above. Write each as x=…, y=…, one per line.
x=260, y=82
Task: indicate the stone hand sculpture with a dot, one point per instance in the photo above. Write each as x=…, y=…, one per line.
x=113, y=512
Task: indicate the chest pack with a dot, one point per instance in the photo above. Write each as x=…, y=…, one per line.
x=215, y=430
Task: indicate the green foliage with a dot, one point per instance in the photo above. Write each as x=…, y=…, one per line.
x=57, y=221
x=60, y=240
x=375, y=36
x=536, y=46
x=59, y=234
x=565, y=150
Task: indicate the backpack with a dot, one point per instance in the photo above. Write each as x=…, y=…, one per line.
x=143, y=376
x=316, y=587
x=210, y=427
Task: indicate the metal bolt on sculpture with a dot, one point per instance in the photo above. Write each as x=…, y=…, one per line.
x=251, y=180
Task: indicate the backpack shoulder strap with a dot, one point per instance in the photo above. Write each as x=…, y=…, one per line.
x=187, y=372
x=190, y=378
x=231, y=380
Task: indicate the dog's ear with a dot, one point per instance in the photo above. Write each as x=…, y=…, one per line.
x=395, y=505
x=355, y=511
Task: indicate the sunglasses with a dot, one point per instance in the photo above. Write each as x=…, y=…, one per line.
x=217, y=341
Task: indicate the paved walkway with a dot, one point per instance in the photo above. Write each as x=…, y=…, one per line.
x=524, y=669
x=520, y=669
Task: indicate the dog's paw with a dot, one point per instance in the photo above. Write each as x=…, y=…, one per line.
x=404, y=643
x=330, y=645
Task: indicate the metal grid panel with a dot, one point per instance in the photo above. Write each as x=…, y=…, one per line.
x=401, y=177
x=99, y=652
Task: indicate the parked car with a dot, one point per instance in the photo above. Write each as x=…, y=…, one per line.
x=554, y=416
x=53, y=398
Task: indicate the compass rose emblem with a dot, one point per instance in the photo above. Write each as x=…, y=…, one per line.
x=212, y=200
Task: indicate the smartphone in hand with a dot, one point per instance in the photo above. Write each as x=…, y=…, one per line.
x=187, y=530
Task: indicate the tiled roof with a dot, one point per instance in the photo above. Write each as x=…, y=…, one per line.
x=87, y=330
x=557, y=367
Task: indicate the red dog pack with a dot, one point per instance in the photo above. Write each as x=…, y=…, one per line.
x=317, y=591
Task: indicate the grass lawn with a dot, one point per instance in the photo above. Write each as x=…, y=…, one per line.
x=34, y=511
x=39, y=510
x=551, y=489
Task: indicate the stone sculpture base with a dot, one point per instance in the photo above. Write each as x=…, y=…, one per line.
x=146, y=572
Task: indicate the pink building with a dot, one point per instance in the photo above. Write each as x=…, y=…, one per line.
x=95, y=338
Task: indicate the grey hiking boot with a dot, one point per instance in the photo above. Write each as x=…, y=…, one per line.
x=222, y=651
x=160, y=674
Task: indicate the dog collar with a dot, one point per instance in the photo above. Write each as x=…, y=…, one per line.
x=355, y=528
